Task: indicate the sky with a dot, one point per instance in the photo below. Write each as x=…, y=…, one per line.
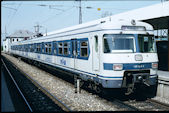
x=55, y=15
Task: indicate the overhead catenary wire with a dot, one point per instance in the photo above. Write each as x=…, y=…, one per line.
x=9, y=8
x=46, y=20
x=49, y=5
x=57, y=15
x=53, y=5
x=8, y=25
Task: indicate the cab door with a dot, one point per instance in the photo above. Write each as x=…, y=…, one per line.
x=96, y=55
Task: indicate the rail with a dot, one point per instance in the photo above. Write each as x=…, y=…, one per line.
x=44, y=90
x=17, y=86
x=129, y=107
x=164, y=105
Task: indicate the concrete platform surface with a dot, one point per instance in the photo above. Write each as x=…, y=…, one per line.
x=164, y=75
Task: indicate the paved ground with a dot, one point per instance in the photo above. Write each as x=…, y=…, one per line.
x=6, y=102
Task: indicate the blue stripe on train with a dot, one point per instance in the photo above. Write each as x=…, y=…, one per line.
x=128, y=66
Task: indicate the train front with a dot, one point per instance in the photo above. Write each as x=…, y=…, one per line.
x=129, y=58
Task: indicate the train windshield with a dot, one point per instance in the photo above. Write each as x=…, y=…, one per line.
x=118, y=43
x=146, y=44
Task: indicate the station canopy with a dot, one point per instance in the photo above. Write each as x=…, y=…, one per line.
x=157, y=15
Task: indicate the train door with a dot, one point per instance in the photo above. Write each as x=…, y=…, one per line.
x=95, y=50
x=74, y=51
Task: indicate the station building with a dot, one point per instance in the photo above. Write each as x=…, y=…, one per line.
x=18, y=35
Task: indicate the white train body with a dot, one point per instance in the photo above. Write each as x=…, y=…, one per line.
x=106, y=52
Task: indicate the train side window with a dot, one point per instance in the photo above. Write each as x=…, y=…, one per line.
x=84, y=49
x=26, y=48
x=60, y=46
x=46, y=48
x=31, y=48
x=96, y=43
x=23, y=47
x=55, y=47
x=38, y=48
x=50, y=48
x=43, y=48
x=106, y=46
x=65, y=46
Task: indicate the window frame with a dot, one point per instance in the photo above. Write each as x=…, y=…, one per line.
x=118, y=51
x=55, y=47
x=65, y=47
x=60, y=47
x=84, y=47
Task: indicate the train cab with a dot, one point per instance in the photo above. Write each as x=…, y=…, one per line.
x=129, y=56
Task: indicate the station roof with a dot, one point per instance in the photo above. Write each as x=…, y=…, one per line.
x=21, y=34
x=157, y=15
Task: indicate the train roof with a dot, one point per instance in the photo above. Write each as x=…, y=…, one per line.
x=101, y=24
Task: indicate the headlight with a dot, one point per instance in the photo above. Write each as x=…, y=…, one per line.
x=117, y=67
x=154, y=65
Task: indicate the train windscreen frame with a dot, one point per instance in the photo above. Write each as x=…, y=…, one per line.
x=119, y=43
x=146, y=43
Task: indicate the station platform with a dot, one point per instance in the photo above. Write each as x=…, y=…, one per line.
x=163, y=84
x=6, y=101
x=163, y=75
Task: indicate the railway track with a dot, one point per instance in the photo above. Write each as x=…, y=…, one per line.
x=35, y=96
x=124, y=106
x=131, y=105
x=147, y=105
x=127, y=103
x=163, y=105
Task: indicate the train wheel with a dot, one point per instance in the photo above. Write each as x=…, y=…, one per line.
x=98, y=89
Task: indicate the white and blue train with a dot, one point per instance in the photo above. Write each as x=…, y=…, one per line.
x=110, y=54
